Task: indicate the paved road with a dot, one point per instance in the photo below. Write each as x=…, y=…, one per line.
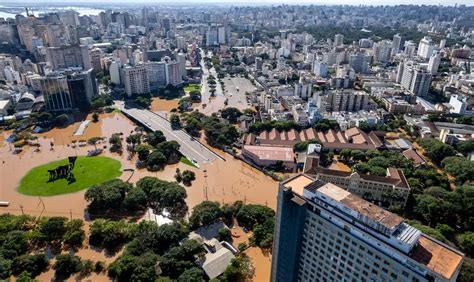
x=235, y=98
x=190, y=147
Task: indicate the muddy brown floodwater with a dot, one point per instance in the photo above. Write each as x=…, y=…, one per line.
x=163, y=105
x=223, y=181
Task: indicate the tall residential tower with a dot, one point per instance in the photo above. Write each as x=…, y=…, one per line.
x=325, y=233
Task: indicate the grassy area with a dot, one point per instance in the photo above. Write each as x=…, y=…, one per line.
x=87, y=172
x=192, y=87
x=185, y=160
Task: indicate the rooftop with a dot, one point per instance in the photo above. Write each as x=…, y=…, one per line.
x=371, y=211
x=437, y=257
x=298, y=183
x=271, y=153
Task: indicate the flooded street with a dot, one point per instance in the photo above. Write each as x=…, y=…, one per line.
x=222, y=181
x=163, y=105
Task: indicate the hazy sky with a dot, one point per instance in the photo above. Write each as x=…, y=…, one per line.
x=329, y=2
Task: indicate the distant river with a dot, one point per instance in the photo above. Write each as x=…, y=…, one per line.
x=83, y=11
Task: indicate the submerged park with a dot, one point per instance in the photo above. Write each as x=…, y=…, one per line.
x=86, y=172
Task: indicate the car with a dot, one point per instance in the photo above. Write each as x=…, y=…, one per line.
x=194, y=160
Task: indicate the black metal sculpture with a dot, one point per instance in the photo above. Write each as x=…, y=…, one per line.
x=63, y=171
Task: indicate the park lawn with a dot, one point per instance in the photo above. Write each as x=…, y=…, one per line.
x=87, y=172
x=192, y=87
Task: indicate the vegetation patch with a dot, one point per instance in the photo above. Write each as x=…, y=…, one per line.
x=192, y=87
x=186, y=161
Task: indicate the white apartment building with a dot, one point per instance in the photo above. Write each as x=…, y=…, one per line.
x=325, y=233
x=415, y=79
x=425, y=48
x=135, y=80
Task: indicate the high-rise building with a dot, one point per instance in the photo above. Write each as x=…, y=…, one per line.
x=55, y=90
x=181, y=58
x=365, y=43
x=66, y=56
x=425, y=48
x=416, y=79
x=325, y=233
x=212, y=36
x=181, y=43
x=82, y=87
x=410, y=49
x=114, y=70
x=359, y=62
x=156, y=74
x=66, y=90
x=433, y=63
x=135, y=79
x=347, y=100
x=258, y=64
x=173, y=75
x=338, y=40
x=382, y=51
x=320, y=68
x=396, y=43
x=95, y=56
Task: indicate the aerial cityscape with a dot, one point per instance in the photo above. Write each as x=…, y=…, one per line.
x=236, y=141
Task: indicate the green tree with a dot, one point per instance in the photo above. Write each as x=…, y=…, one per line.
x=459, y=167
x=61, y=120
x=159, y=239
x=156, y=160
x=466, y=242
x=33, y=264
x=14, y=244
x=66, y=265
x=142, y=101
x=225, y=234
x=193, y=126
x=231, y=114
x=136, y=200
x=25, y=277
x=219, y=134
x=110, y=234
x=170, y=149
x=93, y=141
x=143, y=151
x=154, y=138
x=175, y=121
x=466, y=146
x=53, y=228
x=95, y=117
x=192, y=274
x=205, y=213
x=263, y=233
x=250, y=215
x=115, y=142
x=436, y=150
x=74, y=235
x=188, y=177
x=5, y=268
x=179, y=258
x=107, y=196
x=239, y=269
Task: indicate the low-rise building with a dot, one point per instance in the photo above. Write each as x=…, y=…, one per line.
x=270, y=156
x=392, y=189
